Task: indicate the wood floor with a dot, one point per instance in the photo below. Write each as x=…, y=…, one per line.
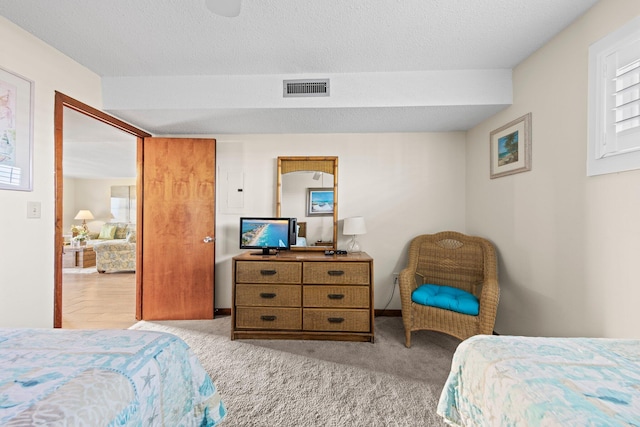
x=98, y=301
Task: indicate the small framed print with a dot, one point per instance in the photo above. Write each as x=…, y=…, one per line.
x=16, y=132
x=510, y=147
x=319, y=201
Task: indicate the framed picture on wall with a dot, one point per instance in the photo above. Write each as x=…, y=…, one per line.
x=319, y=201
x=510, y=147
x=16, y=132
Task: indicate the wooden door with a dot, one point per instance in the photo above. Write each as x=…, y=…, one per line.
x=178, y=216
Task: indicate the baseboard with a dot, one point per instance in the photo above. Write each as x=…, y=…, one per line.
x=390, y=313
x=222, y=312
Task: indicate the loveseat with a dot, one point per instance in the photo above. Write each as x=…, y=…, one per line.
x=115, y=248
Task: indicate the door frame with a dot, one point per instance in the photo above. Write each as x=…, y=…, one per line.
x=63, y=101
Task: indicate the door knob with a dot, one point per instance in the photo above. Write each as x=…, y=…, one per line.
x=208, y=239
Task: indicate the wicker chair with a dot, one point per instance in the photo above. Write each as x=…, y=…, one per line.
x=457, y=260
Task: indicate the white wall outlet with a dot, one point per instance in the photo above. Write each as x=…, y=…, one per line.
x=395, y=277
x=33, y=210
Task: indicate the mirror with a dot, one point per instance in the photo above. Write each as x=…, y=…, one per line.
x=307, y=189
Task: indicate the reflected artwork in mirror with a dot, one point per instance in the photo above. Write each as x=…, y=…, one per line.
x=307, y=190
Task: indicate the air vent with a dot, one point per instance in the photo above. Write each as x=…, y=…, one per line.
x=296, y=88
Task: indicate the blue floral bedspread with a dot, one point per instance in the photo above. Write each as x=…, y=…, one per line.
x=522, y=381
x=103, y=378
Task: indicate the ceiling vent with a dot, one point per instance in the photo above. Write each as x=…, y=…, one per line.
x=297, y=88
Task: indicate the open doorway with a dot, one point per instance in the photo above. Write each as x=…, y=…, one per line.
x=95, y=152
x=98, y=223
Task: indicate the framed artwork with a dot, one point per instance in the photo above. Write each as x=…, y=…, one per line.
x=510, y=147
x=319, y=201
x=16, y=132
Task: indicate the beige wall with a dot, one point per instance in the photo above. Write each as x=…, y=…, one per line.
x=91, y=194
x=26, y=249
x=403, y=184
x=569, y=244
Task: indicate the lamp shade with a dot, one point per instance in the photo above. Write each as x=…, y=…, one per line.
x=84, y=214
x=354, y=225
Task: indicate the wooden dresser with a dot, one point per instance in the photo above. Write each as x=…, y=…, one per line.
x=303, y=295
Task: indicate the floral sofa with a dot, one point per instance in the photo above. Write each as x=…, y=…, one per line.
x=115, y=248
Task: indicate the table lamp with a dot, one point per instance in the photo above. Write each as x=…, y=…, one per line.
x=353, y=227
x=84, y=215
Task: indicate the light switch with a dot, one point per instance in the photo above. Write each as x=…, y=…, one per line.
x=33, y=210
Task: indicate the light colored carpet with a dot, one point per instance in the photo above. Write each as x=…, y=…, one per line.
x=321, y=383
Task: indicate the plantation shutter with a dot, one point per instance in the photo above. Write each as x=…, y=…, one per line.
x=614, y=101
x=622, y=101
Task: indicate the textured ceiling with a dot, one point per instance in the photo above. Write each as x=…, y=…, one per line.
x=95, y=150
x=122, y=38
x=177, y=37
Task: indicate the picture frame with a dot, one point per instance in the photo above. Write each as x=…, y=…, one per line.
x=510, y=148
x=16, y=132
x=320, y=201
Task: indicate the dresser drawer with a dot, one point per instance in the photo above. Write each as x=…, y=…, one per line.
x=317, y=319
x=268, y=318
x=336, y=296
x=267, y=272
x=338, y=273
x=268, y=295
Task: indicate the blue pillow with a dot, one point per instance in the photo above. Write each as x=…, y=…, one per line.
x=447, y=297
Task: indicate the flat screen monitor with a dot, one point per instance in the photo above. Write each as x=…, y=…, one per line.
x=267, y=234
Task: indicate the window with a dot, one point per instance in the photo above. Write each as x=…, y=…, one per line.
x=614, y=102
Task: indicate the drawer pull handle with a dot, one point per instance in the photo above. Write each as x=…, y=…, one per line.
x=335, y=272
x=268, y=272
x=268, y=318
x=335, y=319
x=267, y=295
x=335, y=296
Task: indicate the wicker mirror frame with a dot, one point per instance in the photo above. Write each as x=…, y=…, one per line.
x=314, y=164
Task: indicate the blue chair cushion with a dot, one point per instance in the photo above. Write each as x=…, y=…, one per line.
x=446, y=297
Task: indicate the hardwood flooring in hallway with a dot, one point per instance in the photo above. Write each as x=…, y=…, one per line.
x=98, y=301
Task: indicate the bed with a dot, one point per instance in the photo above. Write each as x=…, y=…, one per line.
x=103, y=377
x=525, y=381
